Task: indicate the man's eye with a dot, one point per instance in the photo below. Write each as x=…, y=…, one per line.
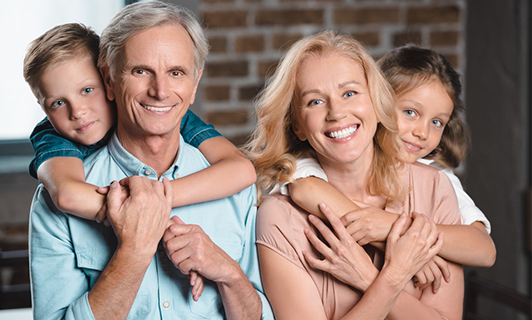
x=177, y=73
x=139, y=71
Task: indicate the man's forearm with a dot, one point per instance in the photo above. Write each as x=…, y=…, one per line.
x=113, y=294
x=240, y=299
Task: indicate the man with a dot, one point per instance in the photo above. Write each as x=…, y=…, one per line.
x=152, y=56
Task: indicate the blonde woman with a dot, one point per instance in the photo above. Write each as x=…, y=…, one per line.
x=328, y=100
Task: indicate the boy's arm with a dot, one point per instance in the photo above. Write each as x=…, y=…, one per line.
x=64, y=178
x=230, y=172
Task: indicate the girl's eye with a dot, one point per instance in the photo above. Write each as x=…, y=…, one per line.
x=57, y=104
x=87, y=90
x=437, y=123
x=409, y=113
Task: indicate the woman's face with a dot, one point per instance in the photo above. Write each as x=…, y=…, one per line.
x=334, y=111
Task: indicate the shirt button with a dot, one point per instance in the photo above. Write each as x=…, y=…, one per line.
x=147, y=172
x=161, y=253
x=166, y=304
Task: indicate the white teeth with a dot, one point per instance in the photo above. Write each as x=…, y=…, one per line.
x=342, y=133
x=156, y=108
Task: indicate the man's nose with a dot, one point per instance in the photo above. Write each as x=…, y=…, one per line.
x=159, y=88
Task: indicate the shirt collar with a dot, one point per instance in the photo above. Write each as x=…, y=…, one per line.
x=132, y=166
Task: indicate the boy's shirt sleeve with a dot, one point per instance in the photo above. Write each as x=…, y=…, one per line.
x=47, y=143
x=195, y=131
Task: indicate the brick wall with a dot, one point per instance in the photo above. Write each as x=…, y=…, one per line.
x=248, y=37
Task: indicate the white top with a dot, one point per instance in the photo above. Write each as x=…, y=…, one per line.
x=309, y=167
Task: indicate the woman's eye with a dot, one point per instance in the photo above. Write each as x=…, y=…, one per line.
x=57, y=104
x=87, y=90
x=314, y=102
x=350, y=94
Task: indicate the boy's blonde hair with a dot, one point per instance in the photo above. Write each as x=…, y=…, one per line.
x=61, y=43
x=274, y=146
x=408, y=67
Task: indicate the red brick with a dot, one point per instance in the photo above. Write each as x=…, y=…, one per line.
x=227, y=69
x=216, y=93
x=229, y=117
x=411, y=36
x=284, y=41
x=453, y=60
x=444, y=38
x=218, y=44
x=267, y=68
x=224, y=19
x=366, y=15
x=433, y=15
x=248, y=93
x=253, y=43
x=369, y=39
x=271, y=17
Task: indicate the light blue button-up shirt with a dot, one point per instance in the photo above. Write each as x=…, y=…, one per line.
x=68, y=254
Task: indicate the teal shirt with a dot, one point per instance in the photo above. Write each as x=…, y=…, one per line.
x=68, y=254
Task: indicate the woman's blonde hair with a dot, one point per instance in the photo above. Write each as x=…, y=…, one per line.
x=408, y=67
x=274, y=146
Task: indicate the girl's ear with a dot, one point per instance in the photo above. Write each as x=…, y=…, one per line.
x=106, y=78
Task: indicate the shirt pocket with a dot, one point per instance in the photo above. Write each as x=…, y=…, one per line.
x=93, y=261
x=209, y=305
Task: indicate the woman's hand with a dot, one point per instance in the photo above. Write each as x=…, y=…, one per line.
x=406, y=254
x=344, y=258
x=368, y=224
x=432, y=273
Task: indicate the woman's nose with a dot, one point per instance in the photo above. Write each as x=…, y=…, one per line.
x=336, y=111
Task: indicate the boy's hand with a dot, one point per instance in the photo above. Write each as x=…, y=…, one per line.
x=101, y=216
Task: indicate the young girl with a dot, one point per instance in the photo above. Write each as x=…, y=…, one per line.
x=60, y=67
x=428, y=109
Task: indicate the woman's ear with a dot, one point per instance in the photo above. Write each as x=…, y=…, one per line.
x=299, y=133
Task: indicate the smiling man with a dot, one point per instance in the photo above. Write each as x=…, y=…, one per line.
x=152, y=57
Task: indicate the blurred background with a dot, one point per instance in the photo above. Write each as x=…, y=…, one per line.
x=488, y=42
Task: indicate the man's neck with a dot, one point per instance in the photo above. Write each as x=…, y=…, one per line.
x=158, y=152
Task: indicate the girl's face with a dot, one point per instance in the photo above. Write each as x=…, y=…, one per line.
x=422, y=114
x=334, y=111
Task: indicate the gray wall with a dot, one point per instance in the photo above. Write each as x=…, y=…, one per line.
x=498, y=103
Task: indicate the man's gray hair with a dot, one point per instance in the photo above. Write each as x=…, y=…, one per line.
x=141, y=16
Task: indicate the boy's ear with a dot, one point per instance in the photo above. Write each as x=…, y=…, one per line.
x=106, y=77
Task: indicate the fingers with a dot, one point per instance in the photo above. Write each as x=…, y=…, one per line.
x=113, y=197
x=102, y=190
x=444, y=268
x=397, y=228
x=337, y=225
x=198, y=283
x=168, y=191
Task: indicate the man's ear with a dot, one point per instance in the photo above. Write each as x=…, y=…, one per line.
x=106, y=78
x=299, y=133
x=193, y=98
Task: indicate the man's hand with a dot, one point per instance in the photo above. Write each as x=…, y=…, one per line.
x=140, y=220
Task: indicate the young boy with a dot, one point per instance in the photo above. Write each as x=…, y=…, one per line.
x=60, y=67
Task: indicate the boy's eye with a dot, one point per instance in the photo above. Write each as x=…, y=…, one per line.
x=87, y=90
x=57, y=104
x=409, y=112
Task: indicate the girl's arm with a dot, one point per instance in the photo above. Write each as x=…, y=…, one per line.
x=468, y=244
x=64, y=178
x=230, y=172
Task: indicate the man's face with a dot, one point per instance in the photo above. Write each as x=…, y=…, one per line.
x=156, y=84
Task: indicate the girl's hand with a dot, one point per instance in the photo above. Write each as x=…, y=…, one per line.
x=406, y=254
x=344, y=259
x=432, y=273
x=369, y=223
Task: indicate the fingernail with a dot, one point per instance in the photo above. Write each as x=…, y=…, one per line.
x=311, y=217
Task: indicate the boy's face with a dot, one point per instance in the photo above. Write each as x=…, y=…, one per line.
x=422, y=114
x=74, y=99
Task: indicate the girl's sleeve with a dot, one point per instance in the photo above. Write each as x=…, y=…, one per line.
x=305, y=167
x=468, y=210
x=195, y=131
